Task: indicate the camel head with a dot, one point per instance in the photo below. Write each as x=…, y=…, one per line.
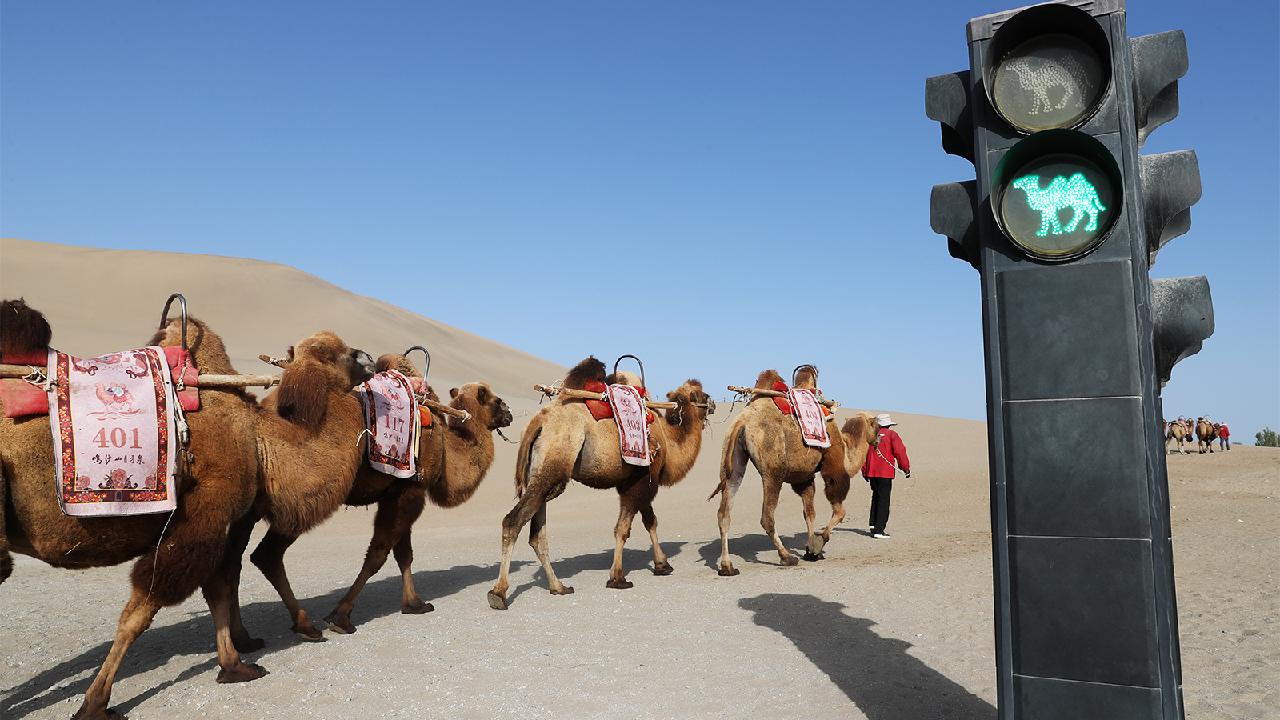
x=861, y=428
x=316, y=368
x=23, y=329
x=487, y=408
x=691, y=403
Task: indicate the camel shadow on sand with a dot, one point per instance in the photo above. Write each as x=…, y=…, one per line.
x=194, y=636
x=875, y=672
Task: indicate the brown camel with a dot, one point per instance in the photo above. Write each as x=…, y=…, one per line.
x=773, y=443
x=1181, y=433
x=453, y=458
x=1206, y=433
x=564, y=442
x=176, y=553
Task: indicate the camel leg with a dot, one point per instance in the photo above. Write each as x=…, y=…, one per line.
x=812, y=548
x=233, y=562
x=621, y=531
x=218, y=594
x=836, y=490
x=135, y=618
x=723, y=516
x=394, y=518
x=660, y=564
x=770, y=506
x=410, y=603
x=269, y=558
x=525, y=509
x=542, y=548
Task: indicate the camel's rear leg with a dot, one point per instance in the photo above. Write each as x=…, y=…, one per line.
x=233, y=562
x=660, y=564
x=837, y=490
x=135, y=618
x=525, y=509
x=769, y=508
x=542, y=548
x=630, y=499
x=410, y=603
x=394, y=519
x=269, y=558
x=218, y=593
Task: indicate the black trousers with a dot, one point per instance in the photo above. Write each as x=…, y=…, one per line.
x=880, y=490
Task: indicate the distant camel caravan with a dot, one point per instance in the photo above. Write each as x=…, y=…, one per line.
x=772, y=441
x=564, y=442
x=220, y=483
x=1179, y=431
x=1182, y=430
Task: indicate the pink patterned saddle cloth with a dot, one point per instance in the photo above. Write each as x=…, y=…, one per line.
x=392, y=420
x=629, y=414
x=813, y=422
x=114, y=432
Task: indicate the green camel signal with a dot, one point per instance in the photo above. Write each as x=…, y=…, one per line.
x=1074, y=192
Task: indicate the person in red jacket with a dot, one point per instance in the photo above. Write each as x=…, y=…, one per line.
x=879, y=471
x=1224, y=437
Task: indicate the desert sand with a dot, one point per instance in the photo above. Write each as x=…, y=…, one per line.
x=896, y=629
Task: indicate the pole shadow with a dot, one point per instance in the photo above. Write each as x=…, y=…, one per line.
x=876, y=673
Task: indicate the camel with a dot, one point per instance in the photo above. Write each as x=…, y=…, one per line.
x=453, y=458
x=773, y=443
x=563, y=442
x=1180, y=432
x=177, y=552
x=1206, y=433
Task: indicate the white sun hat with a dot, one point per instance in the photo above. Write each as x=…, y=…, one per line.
x=883, y=420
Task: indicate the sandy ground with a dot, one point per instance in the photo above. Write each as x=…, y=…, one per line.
x=885, y=630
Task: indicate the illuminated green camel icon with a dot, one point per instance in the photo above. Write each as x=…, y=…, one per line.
x=1075, y=192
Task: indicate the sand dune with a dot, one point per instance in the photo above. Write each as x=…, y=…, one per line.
x=881, y=629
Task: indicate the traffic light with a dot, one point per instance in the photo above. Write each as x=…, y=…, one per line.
x=1063, y=221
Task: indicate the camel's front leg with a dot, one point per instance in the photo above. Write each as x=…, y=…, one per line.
x=621, y=531
x=812, y=548
x=269, y=558
x=770, y=507
x=660, y=564
x=135, y=618
x=542, y=548
x=219, y=596
x=233, y=561
x=837, y=490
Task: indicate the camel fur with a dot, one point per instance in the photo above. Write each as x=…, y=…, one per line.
x=453, y=458
x=216, y=487
x=1206, y=433
x=773, y=443
x=563, y=443
x=1180, y=432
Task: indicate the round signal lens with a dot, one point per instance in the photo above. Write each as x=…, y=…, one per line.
x=1058, y=206
x=1049, y=81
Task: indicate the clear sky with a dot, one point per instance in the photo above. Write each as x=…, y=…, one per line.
x=718, y=187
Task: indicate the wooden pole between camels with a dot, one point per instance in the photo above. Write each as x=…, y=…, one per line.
x=205, y=381
x=441, y=407
x=588, y=395
x=761, y=392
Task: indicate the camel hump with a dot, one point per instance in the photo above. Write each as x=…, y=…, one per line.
x=397, y=362
x=23, y=329
x=624, y=377
x=806, y=376
x=767, y=378
x=589, y=370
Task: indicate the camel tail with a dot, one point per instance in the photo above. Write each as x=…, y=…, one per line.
x=524, y=456
x=730, y=460
x=6, y=561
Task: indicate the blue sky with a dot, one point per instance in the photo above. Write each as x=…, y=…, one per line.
x=727, y=160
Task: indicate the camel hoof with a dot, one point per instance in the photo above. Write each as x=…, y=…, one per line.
x=497, y=601
x=622, y=584
x=106, y=714
x=814, y=557
x=564, y=590
x=663, y=568
x=819, y=543
x=243, y=672
x=418, y=608
x=340, y=623
x=308, y=633
x=790, y=560
x=248, y=645
x=727, y=571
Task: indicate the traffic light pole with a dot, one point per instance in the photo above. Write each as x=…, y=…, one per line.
x=1062, y=231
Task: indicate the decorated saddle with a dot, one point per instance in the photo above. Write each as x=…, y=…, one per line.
x=802, y=403
x=23, y=399
x=114, y=432
x=394, y=422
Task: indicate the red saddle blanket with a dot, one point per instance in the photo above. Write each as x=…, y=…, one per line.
x=21, y=398
x=602, y=410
